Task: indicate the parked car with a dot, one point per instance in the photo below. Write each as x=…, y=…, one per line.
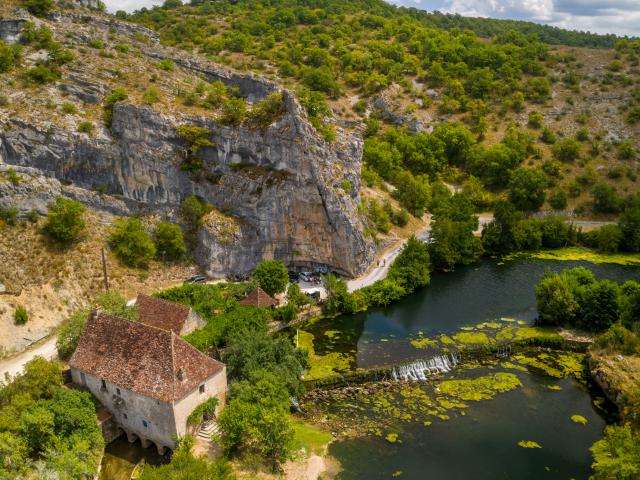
x=195, y=279
x=293, y=276
x=306, y=276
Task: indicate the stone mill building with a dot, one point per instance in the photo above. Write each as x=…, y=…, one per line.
x=144, y=374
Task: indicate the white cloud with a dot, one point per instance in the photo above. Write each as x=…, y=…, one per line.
x=130, y=5
x=621, y=17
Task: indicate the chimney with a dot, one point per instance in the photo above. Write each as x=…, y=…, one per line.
x=181, y=374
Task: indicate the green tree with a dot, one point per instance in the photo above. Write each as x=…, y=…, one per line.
x=131, y=242
x=169, y=241
x=599, y=307
x=605, y=199
x=258, y=415
x=272, y=276
x=526, y=189
x=630, y=226
x=555, y=300
x=246, y=354
x=184, y=466
x=609, y=238
x=617, y=455
x=65, y=222
x=411, y=269
x=413, y=193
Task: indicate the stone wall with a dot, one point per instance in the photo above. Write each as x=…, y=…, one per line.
x=215, y=386
x=129, y=410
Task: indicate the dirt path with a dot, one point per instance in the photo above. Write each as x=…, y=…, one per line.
x=13, y=366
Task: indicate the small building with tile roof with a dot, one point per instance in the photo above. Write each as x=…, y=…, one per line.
x=167, y=315
x=147, y=377
x=258, y=298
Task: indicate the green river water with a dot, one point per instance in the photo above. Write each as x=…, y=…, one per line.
x=479, y=440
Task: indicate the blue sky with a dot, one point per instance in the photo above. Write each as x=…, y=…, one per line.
x=603, y=16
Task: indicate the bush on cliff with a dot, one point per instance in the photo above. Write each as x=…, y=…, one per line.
x=131, y=242
x=65, y=222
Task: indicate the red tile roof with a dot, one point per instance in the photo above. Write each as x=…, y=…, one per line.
x=141, y=358
x=162, y=313
x=258, y=298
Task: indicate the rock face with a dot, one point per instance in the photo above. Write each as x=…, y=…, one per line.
x=280, y=186
x=10, y=29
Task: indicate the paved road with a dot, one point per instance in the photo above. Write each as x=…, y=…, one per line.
x=14, y=365
x=381, y=267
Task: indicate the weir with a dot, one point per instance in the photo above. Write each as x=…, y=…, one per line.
x=421, y=369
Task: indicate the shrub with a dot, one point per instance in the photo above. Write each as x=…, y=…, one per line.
x=131, y=242
x=193, y=208
x=65, y=222
x=13, y=177
x=69, y=108
x=20, y=315
x=167, y=65
x=169, y=241
x=633, y=116
x=413, y=193
x=346, y=186
x=626, y=150
x=118, y=95
x=558, y=200
x=42, y=74
x=267, y=111
x=204, y=411
x=96, y=43
x=39, y=8
x=195, y=138
x=86, y=127
x=234, y=111
x=272, y=276
x=567, y=150
x=548, y=136
x=535, y=120
x=8, y=57
x=151, y=96
x=9, y=215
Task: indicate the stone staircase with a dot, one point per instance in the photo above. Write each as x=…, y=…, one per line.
x=207, y=429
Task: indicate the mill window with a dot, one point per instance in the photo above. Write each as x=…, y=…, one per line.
x=118, y=391
x=103, y=386
x=145, y=424
x=202, y=388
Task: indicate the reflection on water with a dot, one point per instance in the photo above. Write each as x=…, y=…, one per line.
x=121, y=457
x=463, y=298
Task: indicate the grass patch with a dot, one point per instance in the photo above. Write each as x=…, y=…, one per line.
x=312, y=439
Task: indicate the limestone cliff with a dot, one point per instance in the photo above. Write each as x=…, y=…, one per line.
x=281, y=186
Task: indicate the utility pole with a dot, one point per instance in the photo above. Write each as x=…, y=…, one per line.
x=104, y=271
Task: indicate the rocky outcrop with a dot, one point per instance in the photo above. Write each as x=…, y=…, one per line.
x=388, y=108
x=10, y=29
x=280, y=185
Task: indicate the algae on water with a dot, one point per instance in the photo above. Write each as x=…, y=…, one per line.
x=481, y=388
